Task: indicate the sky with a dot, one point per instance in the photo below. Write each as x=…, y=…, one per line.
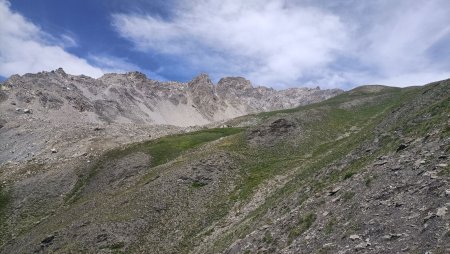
x=276, y=43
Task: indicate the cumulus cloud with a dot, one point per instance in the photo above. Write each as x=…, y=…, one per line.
x=24, y=47
x=292, y=43
x=266, y=41
x=399, y=42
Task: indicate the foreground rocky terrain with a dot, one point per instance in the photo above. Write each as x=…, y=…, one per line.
x=366, y=171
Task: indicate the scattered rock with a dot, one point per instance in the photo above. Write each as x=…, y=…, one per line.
x=328, y=245
x=334, y=191
x=27, y=111
x=54, y=150
x=355, y=237
x=48, y=240
x=429, y=216
x=396, y=168
x=334, y=200
x=402, y=147
x=441, y=212
x=2, y=123
x=380, y=163
x=392, y=236
x=101, y=238
x=362, y=246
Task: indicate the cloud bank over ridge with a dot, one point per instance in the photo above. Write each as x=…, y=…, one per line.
x=291, y=43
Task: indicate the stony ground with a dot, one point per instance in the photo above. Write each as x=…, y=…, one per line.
x=366, y=171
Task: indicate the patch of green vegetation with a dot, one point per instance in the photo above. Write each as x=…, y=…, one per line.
x=4, y=199
x=197, y=184
x=303, y=224
x=209, y=231
x=347, y=196
x=352, y=229
x=329, y=227
x=444, y=171
x=255, y=172
x=325, y=250
x=348, y=175
x=268, y=238
x=74, y=194
x=161, y=150
x=445, y=131
x=368, y=181
x=168, y=148
x=116, y=246
x=4, y=202
x=149, y=177
x=429, y=117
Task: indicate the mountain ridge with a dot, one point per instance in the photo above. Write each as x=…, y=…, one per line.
x=110, y=97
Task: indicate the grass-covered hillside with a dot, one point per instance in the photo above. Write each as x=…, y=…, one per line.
x=365, y=171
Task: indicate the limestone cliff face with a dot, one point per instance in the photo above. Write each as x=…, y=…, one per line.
x=133, y=98
x=201, y=90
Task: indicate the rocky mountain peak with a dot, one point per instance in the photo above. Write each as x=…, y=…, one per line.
x=60, y=71
x=133, y=98
x=236, y=83
x=136, y=75
x=201, y=80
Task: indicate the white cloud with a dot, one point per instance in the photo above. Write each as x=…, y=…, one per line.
x=110, y=64
x=267, y=41
x=68, y=41
x=413, y=79
x=291, y=43
x=24, y=48
x=397, y=42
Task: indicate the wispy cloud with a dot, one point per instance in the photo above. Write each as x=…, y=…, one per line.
x=292, y=43
x=268, y=42
x=68, y=41
x=25, y=47
x=111, y=64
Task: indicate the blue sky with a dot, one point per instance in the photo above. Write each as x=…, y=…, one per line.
x=330, y=43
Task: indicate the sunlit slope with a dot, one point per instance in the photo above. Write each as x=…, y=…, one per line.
x=268, y=184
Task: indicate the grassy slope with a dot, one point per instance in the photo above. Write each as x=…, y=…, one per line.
x=161, y=151
x=315, y=151
x=333, y=130
x=4, y=200
x=310, y=168
x=325, y=140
